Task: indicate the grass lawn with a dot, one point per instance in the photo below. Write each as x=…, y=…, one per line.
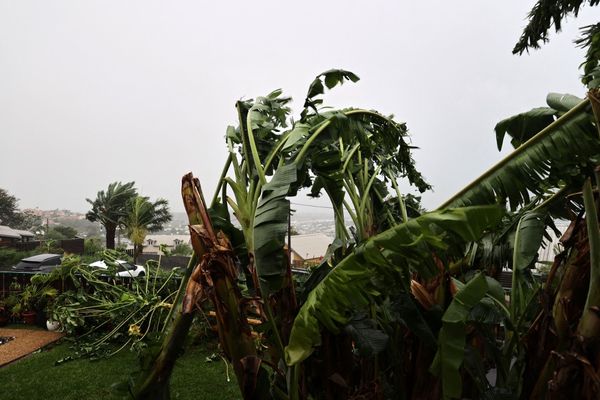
x=36, y=377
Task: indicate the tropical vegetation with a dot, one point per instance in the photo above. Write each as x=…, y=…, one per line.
x=407, y=303
x=144, y=216
x=120, y=207
x=110, y=208
x=402, y=307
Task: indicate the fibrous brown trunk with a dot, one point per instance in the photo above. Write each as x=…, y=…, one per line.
x=111, y=232
x=215, y=277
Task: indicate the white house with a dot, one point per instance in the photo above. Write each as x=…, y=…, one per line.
x=153, y=242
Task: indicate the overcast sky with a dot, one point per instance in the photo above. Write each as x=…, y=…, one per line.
x=93, y=92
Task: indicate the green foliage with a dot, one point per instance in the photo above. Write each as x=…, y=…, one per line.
x=323, y=151
x=12, y=217
x=67, y=231
x=10, y=256
x=145, y=216
x=548, y=13
x=452, y=336
x=331, y=78
x=544, y=15
x=92, y=246
x=8, y=209
x=61, y=232
x=270, y=228
x=35, y=295
x=110, y=208
x=590, y=39
x=390, y=256
x=29, y=221
x=389, y=300
x=104, y=308
x=182, y=249
x=560, y=155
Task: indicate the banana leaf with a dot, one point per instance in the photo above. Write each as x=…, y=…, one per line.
x=528, y=239
x=452, y=336
x=562, y=153
x=270, y=228
x=397, y=251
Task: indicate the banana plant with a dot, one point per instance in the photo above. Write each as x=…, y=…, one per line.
x=540, y=176
x=268, y=164
x=396, y=290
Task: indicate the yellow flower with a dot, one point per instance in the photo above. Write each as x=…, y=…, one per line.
x=134, y=330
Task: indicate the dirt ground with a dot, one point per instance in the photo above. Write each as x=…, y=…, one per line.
x=26, y=341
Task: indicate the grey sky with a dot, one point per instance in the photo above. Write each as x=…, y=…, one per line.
x=95, y=91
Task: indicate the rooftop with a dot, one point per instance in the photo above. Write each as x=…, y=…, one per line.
x=8, y=232
x=309, y=246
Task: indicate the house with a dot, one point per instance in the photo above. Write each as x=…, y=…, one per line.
x=10, y=237
x=153, y=242
x=309, y=249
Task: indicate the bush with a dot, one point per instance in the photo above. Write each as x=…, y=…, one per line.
x=9, y=256
x=182, y=249
x=93, y=246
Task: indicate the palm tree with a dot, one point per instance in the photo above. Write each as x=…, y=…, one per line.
x=110, y=208
x=144, y=216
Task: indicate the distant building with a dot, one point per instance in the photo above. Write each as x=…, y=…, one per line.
x=153, y=242
x=309, y=249
x=10, y=237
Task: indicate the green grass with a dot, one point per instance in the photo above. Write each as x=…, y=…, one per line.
x=36, y=377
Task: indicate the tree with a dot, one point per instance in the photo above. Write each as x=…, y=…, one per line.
x=12, y=217
x=29, y=221
x=548, y=13
x=144, y=216
x=9, y=214
x=61, y=232
x=110, y=208
x=182, y=249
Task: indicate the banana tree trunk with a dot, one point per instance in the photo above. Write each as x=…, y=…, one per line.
x=155, y=384
x=567, y=367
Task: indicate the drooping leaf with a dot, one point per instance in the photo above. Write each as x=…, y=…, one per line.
x=543, y=17
x=404, y=248
x=528, y=239
x=562, y=102
x=402, y=308
x=369, y=340
x=563, y=153
x=331, y=78
x=523, y=126
x=452, y=336
x=299, y=132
